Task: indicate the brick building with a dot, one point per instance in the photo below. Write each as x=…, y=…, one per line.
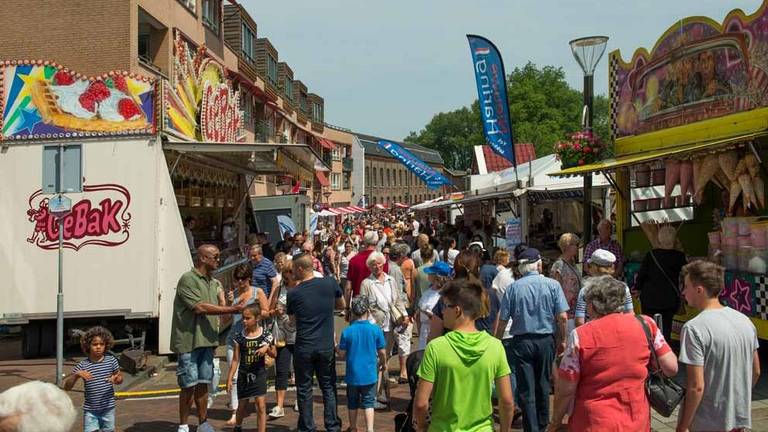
x=387, y=181
x=137, y=36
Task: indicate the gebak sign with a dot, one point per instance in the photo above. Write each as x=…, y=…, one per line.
x=426, y=173
x=492, y=94
x=101, y=219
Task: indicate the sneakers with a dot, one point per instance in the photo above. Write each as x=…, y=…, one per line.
x=205, y=427
x=296, y=406
x=277, y=412
x=183, y=428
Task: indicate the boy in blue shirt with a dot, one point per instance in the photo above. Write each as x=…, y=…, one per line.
x=363, y=344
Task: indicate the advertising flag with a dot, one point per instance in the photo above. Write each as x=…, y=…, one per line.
x=426, y=173
x=492, y=95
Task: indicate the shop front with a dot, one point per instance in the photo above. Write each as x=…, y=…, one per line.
x=691, y=133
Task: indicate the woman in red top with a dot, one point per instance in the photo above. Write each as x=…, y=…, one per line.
x=603, y=372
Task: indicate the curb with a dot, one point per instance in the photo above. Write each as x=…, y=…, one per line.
x=143, y=377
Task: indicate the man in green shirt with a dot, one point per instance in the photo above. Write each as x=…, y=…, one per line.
x=459, y=368
x=195, y=334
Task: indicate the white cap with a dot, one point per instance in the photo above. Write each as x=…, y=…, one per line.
x=602, y=258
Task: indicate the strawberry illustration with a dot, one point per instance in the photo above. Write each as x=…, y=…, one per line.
x=120, y=83
x=128, y=109
x=63, y=78
x=88, y=101
x=98, y=90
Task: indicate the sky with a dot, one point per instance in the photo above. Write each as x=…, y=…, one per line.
x=387, y=67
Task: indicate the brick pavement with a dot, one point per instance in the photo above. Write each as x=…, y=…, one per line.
x=159, y=414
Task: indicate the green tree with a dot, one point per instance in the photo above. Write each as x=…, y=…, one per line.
x=544, y=110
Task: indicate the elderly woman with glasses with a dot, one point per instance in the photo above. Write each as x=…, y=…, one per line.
x=603, y=371
x=564, y=271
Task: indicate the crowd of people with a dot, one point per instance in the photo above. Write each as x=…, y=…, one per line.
x=472, y=326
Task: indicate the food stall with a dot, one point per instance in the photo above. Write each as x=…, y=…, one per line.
x=690, y=124
x=153, y=152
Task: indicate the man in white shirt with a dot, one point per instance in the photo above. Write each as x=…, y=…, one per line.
x=719, y=349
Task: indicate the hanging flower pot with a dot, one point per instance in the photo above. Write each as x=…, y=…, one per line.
x=582, y=148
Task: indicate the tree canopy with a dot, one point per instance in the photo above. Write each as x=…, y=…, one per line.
x=543, y=108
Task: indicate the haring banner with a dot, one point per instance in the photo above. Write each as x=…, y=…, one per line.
x=492, y=95
x=426, y=173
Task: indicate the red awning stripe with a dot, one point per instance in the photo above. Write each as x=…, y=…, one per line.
x=329, y=145
x=322, y=179
x=401, y=205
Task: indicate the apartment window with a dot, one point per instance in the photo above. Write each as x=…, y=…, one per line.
x=317, y=112
x=272, y=69
x=346, y=177
x=373, y=183
x=335, y=181
x=336, y=153
x=288, y=90
x=303, y=102
x=246, y=107
x=145, y=48
x=212, y=14
x=381, y=176
x=189, y=4
x=248, y=37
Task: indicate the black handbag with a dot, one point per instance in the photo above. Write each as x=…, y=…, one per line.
x=664, y=395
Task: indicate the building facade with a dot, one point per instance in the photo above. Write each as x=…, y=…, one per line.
x=388, y=182
x=138, y=36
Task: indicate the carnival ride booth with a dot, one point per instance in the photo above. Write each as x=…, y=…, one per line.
x=691, y=139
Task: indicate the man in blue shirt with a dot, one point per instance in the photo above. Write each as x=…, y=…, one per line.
x=364, y=344
x=537, y=307
x=264, y=273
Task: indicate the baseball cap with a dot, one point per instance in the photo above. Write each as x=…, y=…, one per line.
x=359, y=305
x=602, y=258
x=440, y=268
x=529, y=255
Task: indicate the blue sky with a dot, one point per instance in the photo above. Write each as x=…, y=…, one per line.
x=386, y=67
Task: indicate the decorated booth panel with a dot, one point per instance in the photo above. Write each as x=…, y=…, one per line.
x=199, y=102
x=42, y=100
x=698, y=70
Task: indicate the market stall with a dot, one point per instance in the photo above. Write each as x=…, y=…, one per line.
x=691, y=133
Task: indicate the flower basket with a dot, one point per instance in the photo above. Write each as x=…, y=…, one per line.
x=581, y=149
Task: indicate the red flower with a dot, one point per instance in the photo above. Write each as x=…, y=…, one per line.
x=587, y=149
x=63, y=78
x=581, y=161
x=577, y=146
x=128, y=109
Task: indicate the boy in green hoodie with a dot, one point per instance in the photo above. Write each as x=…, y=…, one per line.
x=459, y=368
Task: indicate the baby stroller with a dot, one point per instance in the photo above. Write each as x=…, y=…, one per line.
x=404, y=421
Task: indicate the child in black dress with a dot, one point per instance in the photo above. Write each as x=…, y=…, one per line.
x=251, y=346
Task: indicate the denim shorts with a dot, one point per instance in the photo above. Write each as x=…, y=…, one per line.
x=195, y=367
x=103, y=420
x=361, y=397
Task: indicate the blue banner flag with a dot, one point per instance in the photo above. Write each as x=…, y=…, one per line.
x=492, y=94
x=426, y=173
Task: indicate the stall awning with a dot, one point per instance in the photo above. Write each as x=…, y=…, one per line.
x=322, y=179
x=609, y=165
x=254, y=158
x=327, y=144
x=489, y=195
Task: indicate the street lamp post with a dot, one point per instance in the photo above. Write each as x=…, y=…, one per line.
x=587, y=51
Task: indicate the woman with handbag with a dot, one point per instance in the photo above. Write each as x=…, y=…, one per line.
x=606, y=364
x=658, y=280
x=388, y=310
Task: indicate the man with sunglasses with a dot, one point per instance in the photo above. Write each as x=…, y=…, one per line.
x=195, y=333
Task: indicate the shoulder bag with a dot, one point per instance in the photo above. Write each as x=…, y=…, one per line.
x=664, y=395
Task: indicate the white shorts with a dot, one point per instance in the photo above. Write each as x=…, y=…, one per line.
x=404, y=341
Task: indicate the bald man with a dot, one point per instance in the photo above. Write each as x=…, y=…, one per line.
x=195, y=334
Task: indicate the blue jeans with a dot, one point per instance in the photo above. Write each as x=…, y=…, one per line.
x=195, y=367
x=533, y=355
x=361, y=397
x=511, y=361
x=321, y=364
x=103, y=420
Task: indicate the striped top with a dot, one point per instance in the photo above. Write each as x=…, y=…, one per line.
x=99, y=393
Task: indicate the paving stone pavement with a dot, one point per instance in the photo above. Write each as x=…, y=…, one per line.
x=159, y=414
